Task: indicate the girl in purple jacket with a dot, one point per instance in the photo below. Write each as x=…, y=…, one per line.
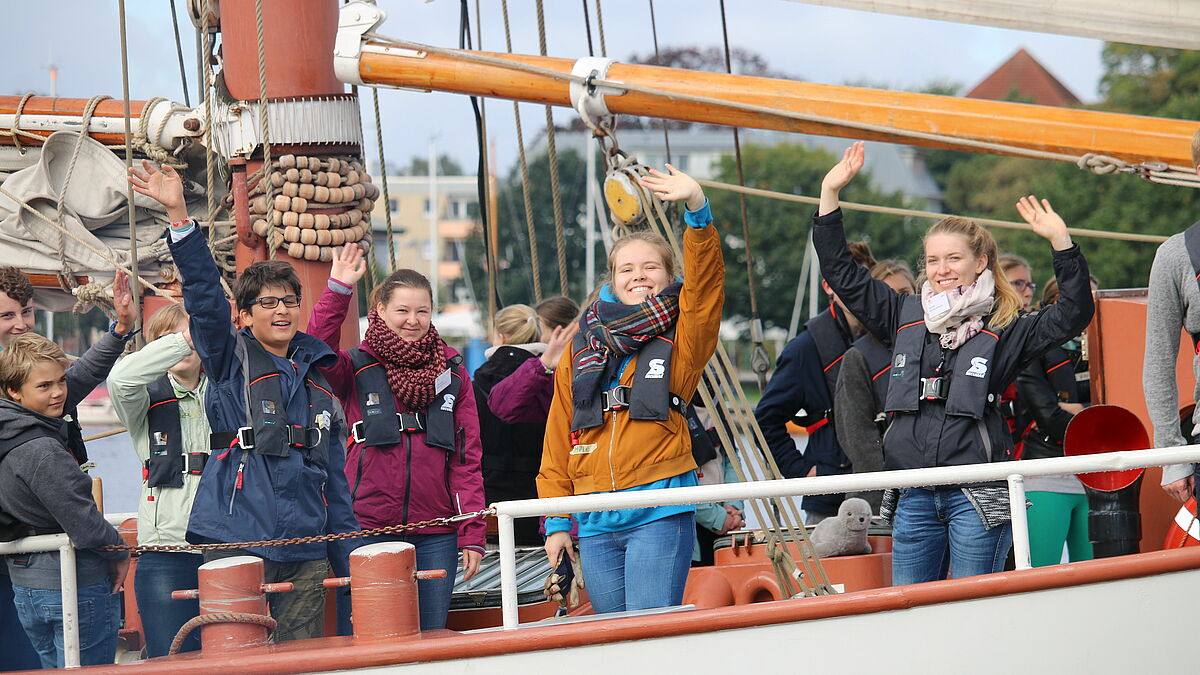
x=419, y=459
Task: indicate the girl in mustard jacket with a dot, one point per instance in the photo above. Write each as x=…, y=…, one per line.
x=615, y=422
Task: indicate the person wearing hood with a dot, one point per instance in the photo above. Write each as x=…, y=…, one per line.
x=955, y=347
x=617, y=417
x=44, y=490
x=277, y=467
x=414, y=443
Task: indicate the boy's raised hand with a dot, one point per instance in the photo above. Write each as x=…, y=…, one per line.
x=1046, y=223
x=123, y=303
x=349, y=265
x=162, y=184
x=674, y=187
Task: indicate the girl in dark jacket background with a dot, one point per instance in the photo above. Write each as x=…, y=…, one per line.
x=955, y=347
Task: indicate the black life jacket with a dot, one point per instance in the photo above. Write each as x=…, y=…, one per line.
x=168, y=460
x=831, y=337
x=1058, y=367
x=879, y=363
x=704, y=447
x=970, y=389
x=12, y=529
x=649, y=398
x=267, y=430
x=381, y=424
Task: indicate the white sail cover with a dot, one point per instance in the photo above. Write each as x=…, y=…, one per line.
x=1158, y=23
x=95, y=214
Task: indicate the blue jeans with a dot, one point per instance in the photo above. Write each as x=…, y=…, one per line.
x=157, y=575
x=434, y=552
x=640, y=568
x=15, y=651
x=41, y=614
x=930, y=524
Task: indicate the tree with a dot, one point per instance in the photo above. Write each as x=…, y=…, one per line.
x=514, y=278
x=419, y=166
x=779, y=230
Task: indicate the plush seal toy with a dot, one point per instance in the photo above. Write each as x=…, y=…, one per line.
x=845, y=533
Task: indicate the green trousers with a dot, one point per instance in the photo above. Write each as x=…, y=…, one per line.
x=1054, y=519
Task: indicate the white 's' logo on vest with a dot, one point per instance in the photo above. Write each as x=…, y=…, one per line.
x=978, y=367
x=448, y=403
x=658, y=368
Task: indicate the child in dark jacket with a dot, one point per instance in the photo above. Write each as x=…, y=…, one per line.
x=43, y=488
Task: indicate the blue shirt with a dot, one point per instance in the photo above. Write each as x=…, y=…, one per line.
x=601, y=522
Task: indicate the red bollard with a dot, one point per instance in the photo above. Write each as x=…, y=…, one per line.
x=383, y=583
x=232, y=585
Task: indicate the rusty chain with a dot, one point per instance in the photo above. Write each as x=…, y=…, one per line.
x=315, y=539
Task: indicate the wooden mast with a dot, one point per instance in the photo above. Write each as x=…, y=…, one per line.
x=1061, y=130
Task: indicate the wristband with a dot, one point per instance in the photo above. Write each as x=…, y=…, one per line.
x=182, y=225
x=124, y=337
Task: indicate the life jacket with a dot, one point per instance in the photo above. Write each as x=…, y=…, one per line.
x=967, y=391
x=879, y=364
x=649, y=398
x=267, y=430
x=168, y=461
x=1059, y=369
x=12, y=529
x=831, y=337
x=704, y=447
x=382, y=425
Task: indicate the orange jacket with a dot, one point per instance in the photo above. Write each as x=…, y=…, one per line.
x=624, y=453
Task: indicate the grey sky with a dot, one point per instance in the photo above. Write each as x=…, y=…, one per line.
x=818, y=44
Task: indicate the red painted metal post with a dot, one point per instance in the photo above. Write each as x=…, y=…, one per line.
x=232, y=585
x=383, y=582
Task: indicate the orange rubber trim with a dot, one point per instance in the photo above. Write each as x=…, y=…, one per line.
x=320, y=387
x=835, y=362
x=170, y=400
x=876, y=375
x=263, y=378
x=990, y=333
x=910, y=325
x=369, y=365
x=1058, y=366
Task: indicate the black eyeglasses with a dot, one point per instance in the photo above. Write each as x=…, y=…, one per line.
x=1019, y=285
x=271, y=302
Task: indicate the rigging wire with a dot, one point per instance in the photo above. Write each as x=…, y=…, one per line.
x=481, y=171
x=587, y=27
x=134, y=290
x=759, y=360
x=600, y=30
x=658, y=62
x=187, y=98
x=383, y=179
x=535, y=267
x=560, y=244
x=1155, y=172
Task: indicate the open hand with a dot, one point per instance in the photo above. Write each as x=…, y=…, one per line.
x=674, y=187
x=123, y=303
x=1046, y=223
x=349, y=265
x=557, y=343
x=470, y=562
x=844, y=171
x=163, y=184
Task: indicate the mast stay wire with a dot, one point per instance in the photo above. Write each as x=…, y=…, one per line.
x=1155, y=172
x=560, y=244
x=482, y=173
x=522, y=162
x=658, y=62
x=759, y=361
x=134, y=288
x=187, y=97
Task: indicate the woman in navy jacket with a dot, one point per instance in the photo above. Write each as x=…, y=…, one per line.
x=955, y=347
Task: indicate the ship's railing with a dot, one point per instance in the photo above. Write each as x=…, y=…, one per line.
x=1014, y=473
x=45, y=543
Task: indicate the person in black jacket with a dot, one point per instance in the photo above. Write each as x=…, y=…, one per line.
x=801, y=391
x=955, y=347
x=862, y=388
x=1052, y=390
x=512, y=453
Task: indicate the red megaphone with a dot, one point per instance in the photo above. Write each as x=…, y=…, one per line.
x=1105, y=428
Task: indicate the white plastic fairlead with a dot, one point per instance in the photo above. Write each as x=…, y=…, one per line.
x=355, y=19
x=587, y=98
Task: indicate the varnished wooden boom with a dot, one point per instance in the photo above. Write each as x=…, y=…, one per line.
x=1063, y=130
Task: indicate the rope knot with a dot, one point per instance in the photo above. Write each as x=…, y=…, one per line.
x=1101, y=165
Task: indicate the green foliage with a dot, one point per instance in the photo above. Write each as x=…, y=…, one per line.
x=779, y=230
x=514, y=279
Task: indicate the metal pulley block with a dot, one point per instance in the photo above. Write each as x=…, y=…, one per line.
x=624, y=198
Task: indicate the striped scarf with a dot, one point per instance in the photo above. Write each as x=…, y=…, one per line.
x=614, y=328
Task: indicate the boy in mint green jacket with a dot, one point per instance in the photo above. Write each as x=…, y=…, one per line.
x=158, y=392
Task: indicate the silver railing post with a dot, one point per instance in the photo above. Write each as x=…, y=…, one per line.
x=1020, y=521
x=508, y=571
x=70, y=604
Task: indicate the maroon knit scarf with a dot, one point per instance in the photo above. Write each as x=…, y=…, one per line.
x=412, y=367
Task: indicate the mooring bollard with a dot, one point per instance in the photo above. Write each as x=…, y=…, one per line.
x=233, y=604
x=383, y=586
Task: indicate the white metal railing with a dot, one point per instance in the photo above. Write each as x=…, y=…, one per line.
x=45, y=543
x=1012, y=472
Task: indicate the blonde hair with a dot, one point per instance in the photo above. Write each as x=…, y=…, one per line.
x=21, y=355
x=1008, y=304
x=518, y=324
x=1196, y=149
x=655, y=240
x=165, y=320
x=884, y=269
x=1009, y=261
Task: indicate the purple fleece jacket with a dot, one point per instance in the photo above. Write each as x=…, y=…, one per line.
x=525, y=395
x=399, y=483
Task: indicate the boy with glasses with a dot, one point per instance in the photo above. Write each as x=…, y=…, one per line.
x=277, y=467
